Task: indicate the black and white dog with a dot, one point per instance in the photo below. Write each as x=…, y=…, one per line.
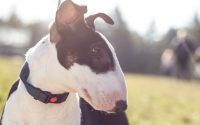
x=72, y=61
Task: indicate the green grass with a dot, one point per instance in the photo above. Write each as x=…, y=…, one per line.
x=163, y=101
x=9, y=70
x=153, y=100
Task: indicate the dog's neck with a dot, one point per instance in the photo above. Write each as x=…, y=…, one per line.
x=38, y=57
x=43, y=64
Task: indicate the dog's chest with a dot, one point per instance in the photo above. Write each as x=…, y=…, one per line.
x=22, y=109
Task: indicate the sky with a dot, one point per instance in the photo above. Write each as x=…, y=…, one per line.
x=138, y=14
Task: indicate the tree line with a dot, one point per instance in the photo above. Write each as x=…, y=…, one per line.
x=136, y=53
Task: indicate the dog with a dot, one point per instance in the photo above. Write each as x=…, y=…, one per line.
x=70, y=77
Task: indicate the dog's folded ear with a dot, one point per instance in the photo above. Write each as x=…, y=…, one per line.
x=90, y=20
x=54, y=35
x=67, y=15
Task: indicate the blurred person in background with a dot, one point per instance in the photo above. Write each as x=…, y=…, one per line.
x=183, y=49
x=197, y=63
x=167, y=62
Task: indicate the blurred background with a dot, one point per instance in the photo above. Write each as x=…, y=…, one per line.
x=157, y=43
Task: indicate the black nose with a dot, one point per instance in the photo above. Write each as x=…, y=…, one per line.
x=120, y=106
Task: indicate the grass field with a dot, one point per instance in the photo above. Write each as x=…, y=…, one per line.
x=153, y=100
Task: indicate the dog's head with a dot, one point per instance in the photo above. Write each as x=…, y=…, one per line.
x=89, y=57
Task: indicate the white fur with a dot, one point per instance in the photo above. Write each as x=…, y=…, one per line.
x=22, y=109
x=47, y=74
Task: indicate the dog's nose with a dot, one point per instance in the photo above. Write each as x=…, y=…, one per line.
x=121, y=106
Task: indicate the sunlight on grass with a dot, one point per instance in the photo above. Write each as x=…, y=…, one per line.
x=162, y=101
x=153, y=100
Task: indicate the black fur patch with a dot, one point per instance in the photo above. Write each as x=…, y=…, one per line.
x=94, y=117
x=85, y=47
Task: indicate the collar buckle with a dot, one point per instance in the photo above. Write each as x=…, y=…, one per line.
x=42, y=96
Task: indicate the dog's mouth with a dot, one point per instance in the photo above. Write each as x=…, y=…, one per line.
x=104, y=105
x=91, y=109
x=101, y=111
x=95, y=106
x=103, y=108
